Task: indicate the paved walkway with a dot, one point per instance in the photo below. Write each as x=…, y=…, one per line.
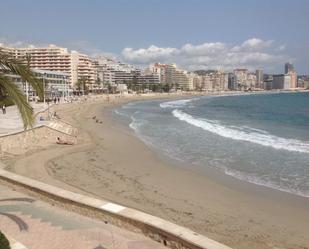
x=11, y=121
x=38, y=225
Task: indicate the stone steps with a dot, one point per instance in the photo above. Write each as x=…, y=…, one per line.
x=62, y=127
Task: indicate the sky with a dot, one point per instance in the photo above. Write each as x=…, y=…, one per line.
x=194, y=34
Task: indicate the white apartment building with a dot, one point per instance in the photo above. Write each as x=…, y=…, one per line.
x=170, y=74
x=214, y=81
x=251, y=80
x=240, y=77
x=115, y=73
x=159, y=70
x=56, y=84
x=57, y=59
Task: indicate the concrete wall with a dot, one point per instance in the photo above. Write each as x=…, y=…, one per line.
x=167, y=233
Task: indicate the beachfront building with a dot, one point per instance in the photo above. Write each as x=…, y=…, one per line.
x=211, y=80
x=259, y=79
x=288, y=67
x=175, y=77
x=293, y=83
x=112, y=72
x=159, y=70
x=56, y=84
x=197, y=82
x=148, y=79
x=290, y=70
x=240, y=79
x=53, y=58
x=281, y=81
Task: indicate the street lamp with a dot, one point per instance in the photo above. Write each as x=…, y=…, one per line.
x=44, y=75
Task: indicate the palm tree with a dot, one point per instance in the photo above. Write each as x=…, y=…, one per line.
x=9, y=90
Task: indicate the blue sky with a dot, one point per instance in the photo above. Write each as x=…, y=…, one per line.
x=195, y=34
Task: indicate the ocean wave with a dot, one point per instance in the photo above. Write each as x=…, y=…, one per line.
x=252, y=136
x=176, y=103
x=266, y=183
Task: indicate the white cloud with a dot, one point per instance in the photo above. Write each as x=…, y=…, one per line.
x=153, y=53
x=252, y=53
x=203, y=49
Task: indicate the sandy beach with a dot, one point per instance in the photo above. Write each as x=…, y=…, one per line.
x=110, y=161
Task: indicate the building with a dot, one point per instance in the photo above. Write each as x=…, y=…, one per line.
x=259, y=79
x=148, y=79
x=111, y=72
x=160, y=70
x=240, y=79
x=251, y=81
x=54, y=58
x=293, y=83
x=175, y=77
x=281, y=81
x=288, y=67
x=56, y=84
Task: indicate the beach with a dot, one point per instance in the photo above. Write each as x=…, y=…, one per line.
x=109, y=161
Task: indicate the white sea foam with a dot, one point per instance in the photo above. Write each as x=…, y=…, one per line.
x=252, y=136
x=176, y=103
x=267, y=183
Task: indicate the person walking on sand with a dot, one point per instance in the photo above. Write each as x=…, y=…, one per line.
x=3, y=109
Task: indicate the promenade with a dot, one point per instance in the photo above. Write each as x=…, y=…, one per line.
x=36, y=225
x=31, y=224
x=11, y=121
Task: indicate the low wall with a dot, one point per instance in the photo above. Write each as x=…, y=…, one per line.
x=21, y=142
x=167, y=233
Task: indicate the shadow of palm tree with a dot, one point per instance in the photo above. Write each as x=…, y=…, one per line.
x=18, y=221
x=21, y=224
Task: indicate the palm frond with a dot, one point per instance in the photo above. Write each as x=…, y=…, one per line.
x=19, y=98
x=7, y=62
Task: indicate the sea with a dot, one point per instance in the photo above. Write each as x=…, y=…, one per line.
x=258, y=138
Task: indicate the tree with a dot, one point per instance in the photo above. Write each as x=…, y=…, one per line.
x=82, y=85
x=4, y=243
x=166, y=87
x=9, y=90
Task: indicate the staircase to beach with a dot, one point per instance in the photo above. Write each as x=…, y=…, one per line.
x=58, y=229
x=63, y=127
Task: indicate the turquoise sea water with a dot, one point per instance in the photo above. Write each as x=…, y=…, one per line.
x=258, y=138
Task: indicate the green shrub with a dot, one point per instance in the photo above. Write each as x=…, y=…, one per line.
x=4, y=243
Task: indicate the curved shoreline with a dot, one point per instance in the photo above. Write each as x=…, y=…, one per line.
x=107, y=168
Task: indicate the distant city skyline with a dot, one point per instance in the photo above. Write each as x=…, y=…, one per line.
x=193, y=34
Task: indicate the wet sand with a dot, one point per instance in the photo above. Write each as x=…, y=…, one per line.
x=109, y=161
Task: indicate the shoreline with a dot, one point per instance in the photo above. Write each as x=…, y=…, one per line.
x=107, y=164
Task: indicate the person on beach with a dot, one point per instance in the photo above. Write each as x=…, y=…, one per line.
x=3, y=109
x=60, y=141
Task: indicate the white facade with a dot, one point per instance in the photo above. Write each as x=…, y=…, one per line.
x=56, y=84
x=53, y=58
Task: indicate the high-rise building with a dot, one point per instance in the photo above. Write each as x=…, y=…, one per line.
x=281, y=81
x=170, y=74
x=290, y=70
x=57, y=59
x=259, y=78
x=288, y=67
x=240, y=78
x=293, y=77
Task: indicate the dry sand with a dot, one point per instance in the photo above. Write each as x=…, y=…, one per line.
x=110, y=162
